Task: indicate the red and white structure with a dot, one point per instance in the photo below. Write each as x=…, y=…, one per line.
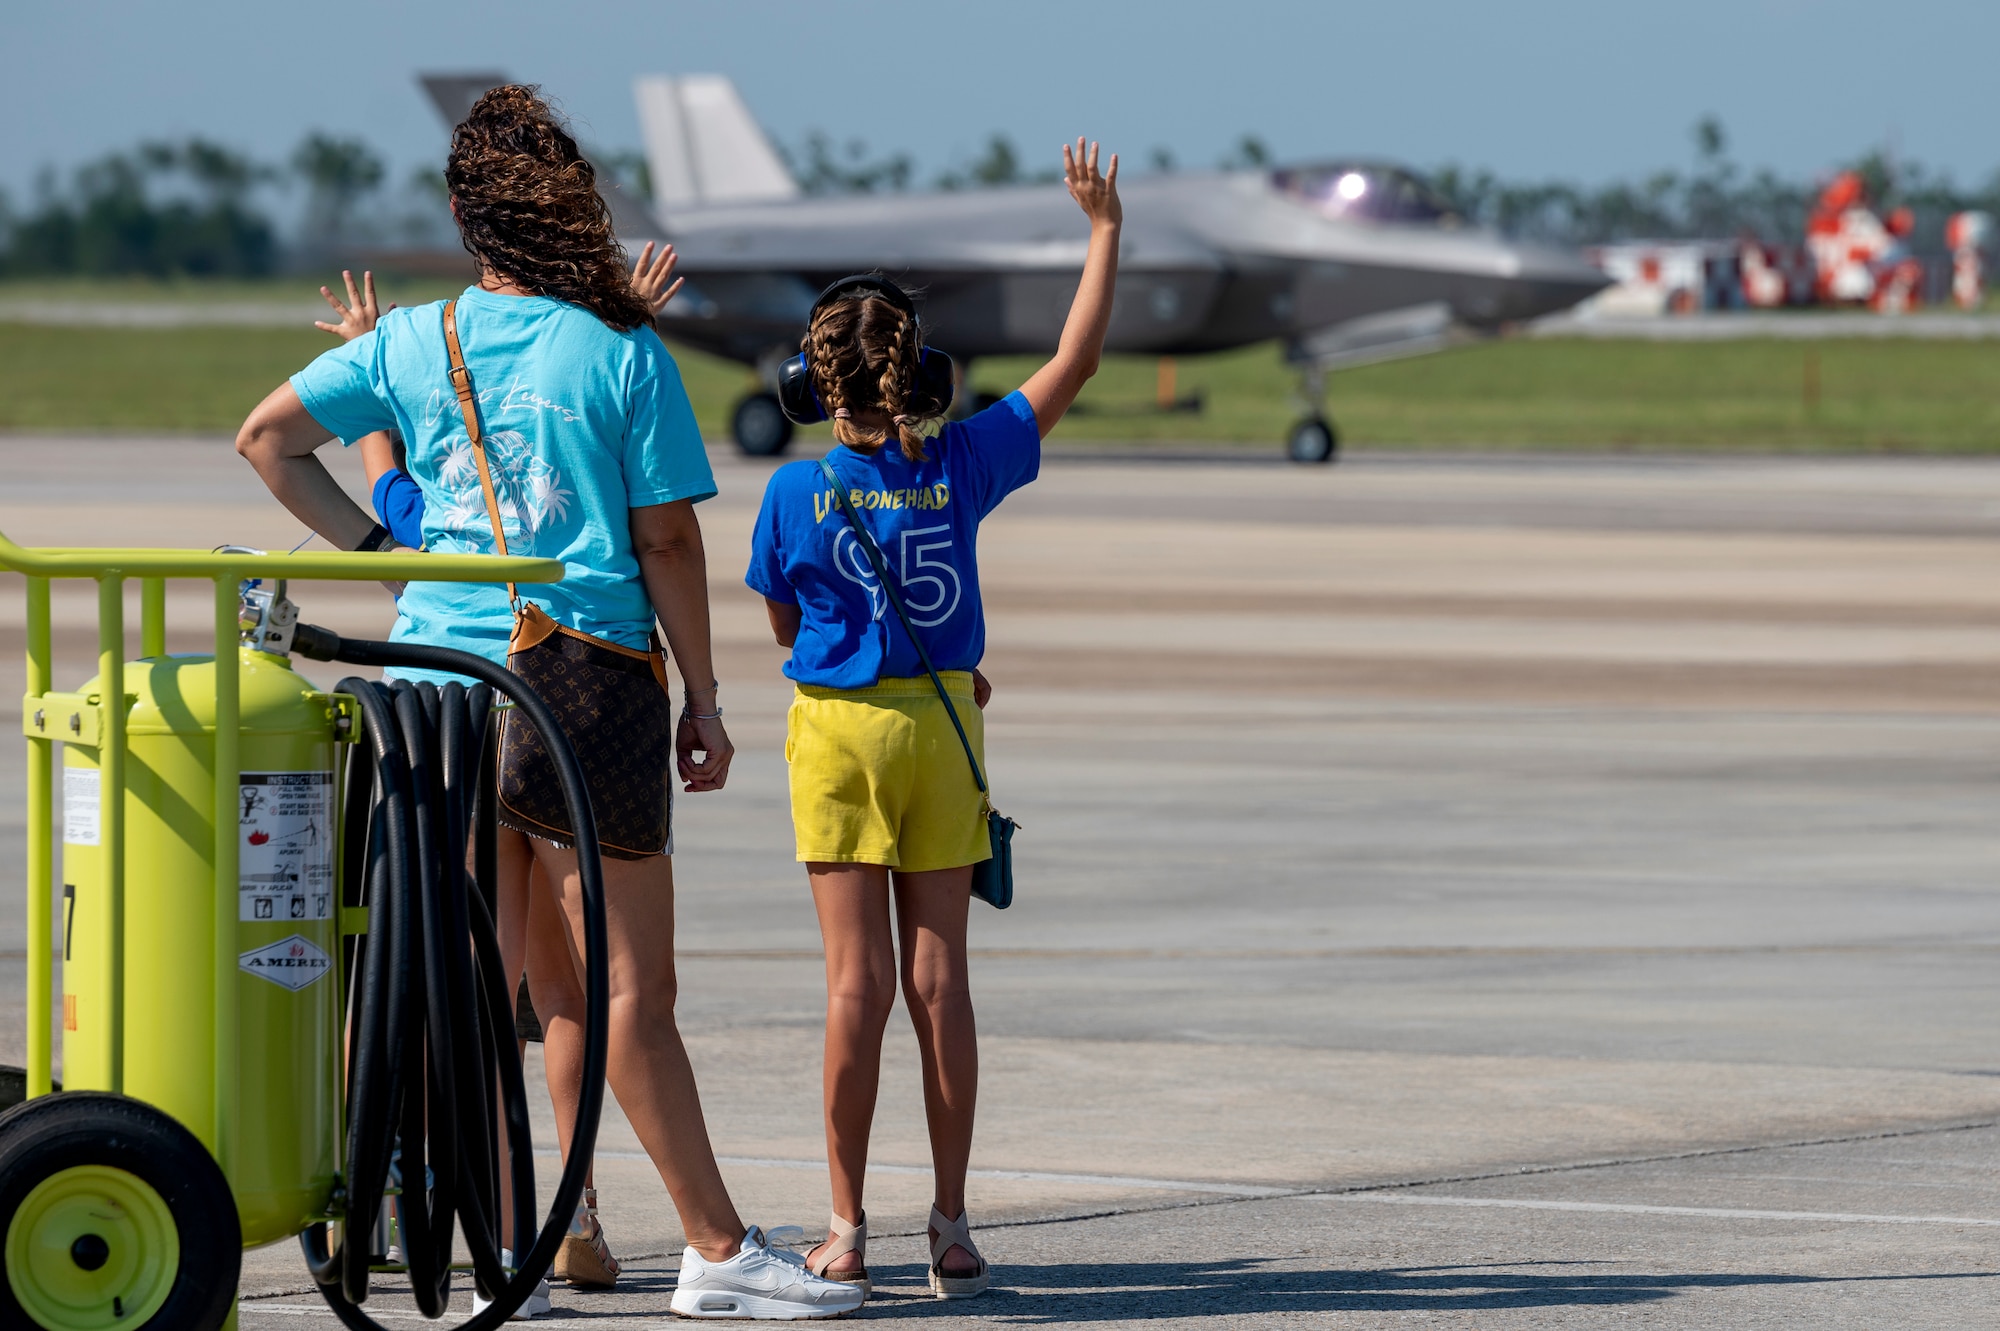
x=1965, y=235
x=1853, y=255
x=1860, y=257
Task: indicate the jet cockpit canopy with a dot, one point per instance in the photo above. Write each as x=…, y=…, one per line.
x=1365, y=191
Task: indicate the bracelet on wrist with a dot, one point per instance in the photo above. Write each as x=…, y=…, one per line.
x=688, y=715
x=713, y=686
x=377, y=537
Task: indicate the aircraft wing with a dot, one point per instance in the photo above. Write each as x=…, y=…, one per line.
x=1021, y=229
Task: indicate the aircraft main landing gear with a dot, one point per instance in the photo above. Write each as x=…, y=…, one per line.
x=759, y=426
x=1313, y=440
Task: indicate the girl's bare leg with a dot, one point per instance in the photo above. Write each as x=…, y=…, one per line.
x=853, y=904
x=648, y=1065
x=930, y=924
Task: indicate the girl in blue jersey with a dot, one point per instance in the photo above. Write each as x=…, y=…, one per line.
x=883, y=801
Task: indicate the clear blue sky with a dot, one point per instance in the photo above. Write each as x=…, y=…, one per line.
x=1535, y=88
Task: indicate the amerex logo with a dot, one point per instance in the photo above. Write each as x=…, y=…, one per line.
x=292, y=962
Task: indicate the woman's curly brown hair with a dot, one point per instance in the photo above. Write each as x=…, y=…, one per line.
x=528, y=207
x=863, y=352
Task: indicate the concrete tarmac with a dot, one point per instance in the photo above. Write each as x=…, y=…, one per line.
x=1492, y=891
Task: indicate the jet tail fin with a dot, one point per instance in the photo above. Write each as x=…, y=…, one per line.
x=454, y=94
x=704, y=147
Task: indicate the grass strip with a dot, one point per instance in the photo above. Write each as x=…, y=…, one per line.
x=1892, y=395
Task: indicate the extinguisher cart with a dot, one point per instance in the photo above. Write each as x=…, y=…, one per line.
x=206, y=1048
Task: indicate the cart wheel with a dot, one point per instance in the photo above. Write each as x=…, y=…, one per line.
x=114, y=1216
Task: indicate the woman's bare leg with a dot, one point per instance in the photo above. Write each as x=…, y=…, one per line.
x=648, y=1066
x=514, y=864
x=853, y=904
x=559, y=1003
x=930, y=925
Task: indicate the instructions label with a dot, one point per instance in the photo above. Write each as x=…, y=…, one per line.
x=284, y=846
x=292, y=962
x=82, y=798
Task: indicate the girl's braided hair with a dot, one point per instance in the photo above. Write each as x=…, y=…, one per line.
x=527, y=206
x=863, y=353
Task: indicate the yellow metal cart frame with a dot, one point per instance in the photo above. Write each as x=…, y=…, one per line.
x=99, y=719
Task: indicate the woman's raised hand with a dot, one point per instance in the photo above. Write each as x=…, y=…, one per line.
x=358, y=316
x=650, y=274
x=1096, y=194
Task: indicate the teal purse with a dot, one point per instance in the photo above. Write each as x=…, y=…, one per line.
x=993, y=878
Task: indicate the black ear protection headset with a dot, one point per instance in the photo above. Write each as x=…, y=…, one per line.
x=929, y=396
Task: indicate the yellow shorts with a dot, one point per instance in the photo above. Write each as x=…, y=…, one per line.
x=879, y=777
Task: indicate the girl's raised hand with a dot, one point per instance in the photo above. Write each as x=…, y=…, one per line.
x=358, y=316
x=1096, y=194
x=650, y=274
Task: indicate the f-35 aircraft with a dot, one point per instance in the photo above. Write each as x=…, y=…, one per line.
x=1345, y=261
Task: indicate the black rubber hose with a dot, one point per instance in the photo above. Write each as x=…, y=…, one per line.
x=432, y=1058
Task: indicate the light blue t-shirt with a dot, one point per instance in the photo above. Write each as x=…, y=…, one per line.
x=582, y=423
x=924, y=516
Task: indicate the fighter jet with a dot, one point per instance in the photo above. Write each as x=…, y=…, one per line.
x=1344, y=261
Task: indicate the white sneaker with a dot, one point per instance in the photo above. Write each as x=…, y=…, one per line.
x=760, y=1282
x=537, y=1303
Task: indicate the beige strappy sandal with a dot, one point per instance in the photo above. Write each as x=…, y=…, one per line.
x=585, y=1259
x=955, y=1234
x=841, y=1239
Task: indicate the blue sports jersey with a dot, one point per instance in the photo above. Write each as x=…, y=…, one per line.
x=582, y=424
x=924, y=516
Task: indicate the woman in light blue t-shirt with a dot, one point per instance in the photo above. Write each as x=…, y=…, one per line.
x=598, y=463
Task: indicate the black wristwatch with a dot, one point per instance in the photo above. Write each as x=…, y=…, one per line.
x=377, y=537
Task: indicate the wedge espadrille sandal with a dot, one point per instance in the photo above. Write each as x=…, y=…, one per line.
x=585, y=1259
x=841, y=1239
x=955, y=1234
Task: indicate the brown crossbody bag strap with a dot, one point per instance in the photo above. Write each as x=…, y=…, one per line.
x=468, y=406
x=612, y=700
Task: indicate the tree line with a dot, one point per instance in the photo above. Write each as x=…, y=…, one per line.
x=198, y=208
x=1716, y=198
x=201, y=209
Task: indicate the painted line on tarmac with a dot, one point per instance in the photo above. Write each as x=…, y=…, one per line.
x=1392, y=952
x=1635, y=1208
x=1023, y=1175
x=247, y=1308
